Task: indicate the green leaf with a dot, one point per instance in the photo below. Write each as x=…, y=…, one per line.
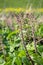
x=14, y=32
x=25, y=61
x=18, y=61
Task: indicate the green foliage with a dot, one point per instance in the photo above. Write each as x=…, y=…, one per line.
x=21, y=3
x=15, y=52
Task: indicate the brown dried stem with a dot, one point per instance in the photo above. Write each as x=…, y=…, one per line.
x=22, y=39
x=39, y=40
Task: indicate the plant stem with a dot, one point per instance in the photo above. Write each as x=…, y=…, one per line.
x=27, y=54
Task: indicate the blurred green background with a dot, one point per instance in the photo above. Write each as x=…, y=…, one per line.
x=21, y=3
